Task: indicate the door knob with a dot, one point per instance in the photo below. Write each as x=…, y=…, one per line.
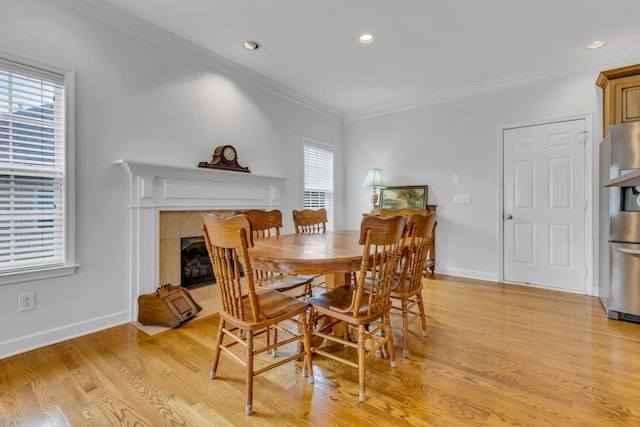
x=508, y=216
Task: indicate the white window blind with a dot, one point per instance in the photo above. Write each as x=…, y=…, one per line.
x=32, y=167
x=318, y=179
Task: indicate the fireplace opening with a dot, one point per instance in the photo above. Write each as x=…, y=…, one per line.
x=195, y=267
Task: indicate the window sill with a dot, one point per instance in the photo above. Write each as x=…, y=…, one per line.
x=37, y=274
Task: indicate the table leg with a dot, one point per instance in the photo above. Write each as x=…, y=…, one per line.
x=337, y=279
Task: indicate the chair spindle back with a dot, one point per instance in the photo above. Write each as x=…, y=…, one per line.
x=264, y=224
x=227, y=241
x=310, y=220
x=417, y=243
x=383, y=242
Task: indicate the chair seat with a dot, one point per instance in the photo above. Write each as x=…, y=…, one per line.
x=338, y=300
x=398, y=290
x=275, y=307
x=401, y=292
x=285, y=282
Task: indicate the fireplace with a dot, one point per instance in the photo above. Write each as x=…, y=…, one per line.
x=180, y=232
x=183, y=255
x=195, y=267
x=156, y=189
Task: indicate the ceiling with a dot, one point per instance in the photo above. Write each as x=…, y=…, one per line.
x=424, y=50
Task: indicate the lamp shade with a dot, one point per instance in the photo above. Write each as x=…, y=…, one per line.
x=374, y=179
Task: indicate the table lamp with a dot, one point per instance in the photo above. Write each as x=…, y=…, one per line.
x=374, y=180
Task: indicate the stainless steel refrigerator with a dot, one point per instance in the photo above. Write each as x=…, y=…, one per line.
x=619, y=276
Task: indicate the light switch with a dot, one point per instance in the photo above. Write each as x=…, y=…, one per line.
x=456, y=179
x=462, y=198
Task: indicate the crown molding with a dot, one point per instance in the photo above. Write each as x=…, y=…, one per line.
x=488, y=86
x=117, y=18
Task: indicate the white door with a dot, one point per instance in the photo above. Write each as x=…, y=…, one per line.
x=544, y=205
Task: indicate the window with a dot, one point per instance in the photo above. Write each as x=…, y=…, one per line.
x=318, y=178
x=36, y=199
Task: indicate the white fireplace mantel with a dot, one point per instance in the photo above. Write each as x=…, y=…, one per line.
x=154, y=188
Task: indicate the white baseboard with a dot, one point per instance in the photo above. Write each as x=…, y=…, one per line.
x=469, y=274
x=63, y=333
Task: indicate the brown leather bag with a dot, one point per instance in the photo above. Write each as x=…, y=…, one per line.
x=167, y=306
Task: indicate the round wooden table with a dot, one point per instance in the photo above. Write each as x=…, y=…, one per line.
x=336, y=254
x=333, y=253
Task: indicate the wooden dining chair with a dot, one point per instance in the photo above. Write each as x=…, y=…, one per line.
x=407, y=289
x=386, y=213
x=310, y=220
x=264, y=225
x=247, y=310
x=406, y=212
x=365, y=304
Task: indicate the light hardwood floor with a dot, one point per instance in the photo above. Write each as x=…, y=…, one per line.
x=495, y=355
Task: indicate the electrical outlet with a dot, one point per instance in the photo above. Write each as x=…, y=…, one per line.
x=27, y=302
x=462, y=198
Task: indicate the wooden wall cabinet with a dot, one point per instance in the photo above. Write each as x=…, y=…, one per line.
x=620, y=96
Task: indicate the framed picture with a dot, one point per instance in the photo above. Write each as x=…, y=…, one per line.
x=407, y=197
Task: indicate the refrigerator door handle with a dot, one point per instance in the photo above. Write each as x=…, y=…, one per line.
x=633, y=252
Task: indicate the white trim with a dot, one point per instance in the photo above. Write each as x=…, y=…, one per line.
x=115, y=17
x=56, y=335
x=154, y=188
x=470, y=274
x=549, y=288
x=589, y=195
x=329, y=147
x=70, y=265
x=111, y=15
x=313, y=141
x=490, y=86
x=70, y=170
x=37, y=274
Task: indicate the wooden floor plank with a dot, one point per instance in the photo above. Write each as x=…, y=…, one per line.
x=495, y=354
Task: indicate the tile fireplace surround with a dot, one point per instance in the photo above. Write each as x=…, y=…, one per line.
x=155, y=188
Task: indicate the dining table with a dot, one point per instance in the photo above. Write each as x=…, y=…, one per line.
x=335, y=254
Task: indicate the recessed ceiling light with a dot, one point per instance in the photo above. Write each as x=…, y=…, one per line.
x=596, y=44
x=366, y=38
x=251, y=45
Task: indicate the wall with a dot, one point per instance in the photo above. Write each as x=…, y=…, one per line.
x=429, y=144
x=143, y=101
x=139, y=100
